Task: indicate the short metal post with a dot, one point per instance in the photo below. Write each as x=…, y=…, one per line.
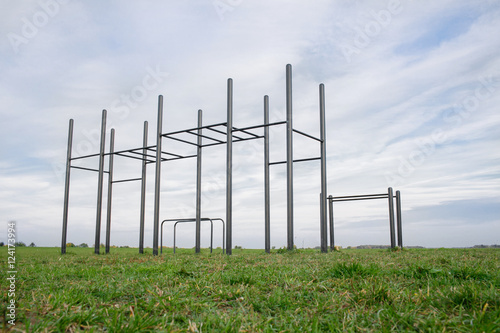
x=157, y=176
x=323, y=214
x=229, y=166
x=100, y=185
x=110, y=189
x=289, y=157
x=399, y=220
x=330, y=208
x=267, y=190
x=143, y=188
x=391, y=217
x=198, y=184
x=66, y=188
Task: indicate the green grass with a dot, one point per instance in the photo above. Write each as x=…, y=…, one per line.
x=251, y=291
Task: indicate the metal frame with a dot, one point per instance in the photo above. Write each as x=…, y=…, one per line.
x=226, y=134
x=390, y=196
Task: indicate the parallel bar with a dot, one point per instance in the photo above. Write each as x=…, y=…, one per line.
x=243, y=130
x=399, y=220
x=289, y=157
x=332, y=235
x=180, y=140
x=66, y=188
x=126, y=180
x=194, y=129
x=229, y=166
x=391, y=217
x=267, y=188
x=259, y=126
x=360, y=196
x=307, y=135
x=322, y=130
x=157, y=176
x=298, y=160
x=198, y=184
x=355, y=199
x=86, y=169
x=100, y=185
x=133, y=157
x=143, y=189
x=110, y=189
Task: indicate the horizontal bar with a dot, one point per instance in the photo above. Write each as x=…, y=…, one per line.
x=359, y=196
x=354, y=199
x=87, y=169
x=194, y=129
x=126, y=180
x=299, y=160
x=134, y=157
x=206, y=137
x=259, y=126
x=180, y=140
x=243, y=130
x=142, y=154
x=307, y=135
x=80, y=157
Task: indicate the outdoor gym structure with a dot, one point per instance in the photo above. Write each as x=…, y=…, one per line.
x=204, y=136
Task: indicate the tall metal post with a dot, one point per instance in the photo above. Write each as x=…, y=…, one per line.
x=267, y=190
x=198, y=183
x=66, y=188
x=110, y=189
x=399, y=220
x=143, y=188
x=157, y=176
x=391, y=217
x=100, y=185
x=332, y=235
x=289, y=157
x=229, y=166
x=323, y=213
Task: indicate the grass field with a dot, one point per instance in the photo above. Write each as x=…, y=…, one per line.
x=433, y=290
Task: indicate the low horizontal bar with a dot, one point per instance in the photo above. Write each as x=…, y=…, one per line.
x=259, y=126
x=180, y=140
x=354, y=199
x=307, y=135
x=299, y=160
x=126, y=180
x=142, y=154
x=244, y=130
x=87, y=169
x=134, y=157
x=359, y=196
x=80, y=157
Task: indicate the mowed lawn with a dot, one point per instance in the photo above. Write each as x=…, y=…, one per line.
x=301, y=291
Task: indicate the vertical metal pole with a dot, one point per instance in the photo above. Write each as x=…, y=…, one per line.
x=332, y=236
x=267, y=190
x=391, y=217
x=110, y=189
x=211, y=235
x=323, y=213
x=66, y=188
x=289, y=157
x=99, y=185
x=157, y=176
x=229, y=166
x=198, y=184
x=399, y=220
x=143, y=188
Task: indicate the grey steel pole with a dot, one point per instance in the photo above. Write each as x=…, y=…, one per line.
x=198, y=183
x=267, y=190
x=323, y=213
x=100, y=184
x=157, y=176
x=66, y=188
x=110, y=189
x=229, y=166
x=391, y=217
x=399, y=220
x=143, y=188
x=332, y=236
x=289, y=157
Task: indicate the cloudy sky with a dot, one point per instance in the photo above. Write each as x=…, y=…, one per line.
x=412, y=95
